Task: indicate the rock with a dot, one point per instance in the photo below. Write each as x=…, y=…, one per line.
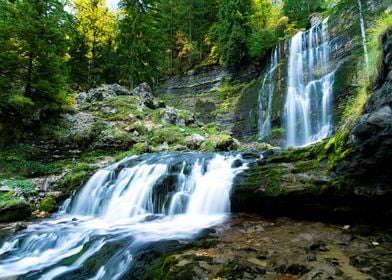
x=114, y=139
x=370, y=141
x=108, y=110
x=5, y=189
x=19, y=227
x=80, y=122
x=145, y=93
x=224, y=142
x=170, y=115
x=15, y=212
x=194, y=141
x=101, y=93
x=160, y=104
x=190, y=120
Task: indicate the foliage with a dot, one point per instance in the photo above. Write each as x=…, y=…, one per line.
x=299, y=11
x=32, y=66
x=376, y=67
x=92, y=40
x=233, y=30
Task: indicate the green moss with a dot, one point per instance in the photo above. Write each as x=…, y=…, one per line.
x=48, y=204
x=141, y=148
x=21, y=161
x=277, y=132
x=8, y=200
x=160, y=268
x=383, y=23
x=171, y=135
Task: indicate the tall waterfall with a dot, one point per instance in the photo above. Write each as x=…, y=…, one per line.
x=307, y=111
x=266, y=95
x=363, y=33
x=137, y=201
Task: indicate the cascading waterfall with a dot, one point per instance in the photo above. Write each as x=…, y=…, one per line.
x=363, y=33
x=266, y=95
x=137, y=201
x=307, y=116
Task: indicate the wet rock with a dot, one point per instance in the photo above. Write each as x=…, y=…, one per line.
x=194, y=141
x=145, y=93
x=237, y=163
x=19, y=227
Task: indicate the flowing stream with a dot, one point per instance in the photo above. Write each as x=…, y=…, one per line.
x=128, y=205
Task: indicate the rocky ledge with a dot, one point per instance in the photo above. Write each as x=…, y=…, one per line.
x=253, y=247
x=299, y=183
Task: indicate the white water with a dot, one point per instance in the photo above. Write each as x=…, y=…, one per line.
x=127, y=206
x=266, y=95
x=307, y=111
x=363, y=33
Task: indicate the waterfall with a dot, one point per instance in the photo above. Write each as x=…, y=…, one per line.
x=266, y=95
x=363, y=33
x=137, y=201
x=307, y=116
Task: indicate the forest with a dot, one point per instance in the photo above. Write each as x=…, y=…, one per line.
x=50, y=49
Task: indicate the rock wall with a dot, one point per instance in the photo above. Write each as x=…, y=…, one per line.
x=198, y=91
x=371, y=137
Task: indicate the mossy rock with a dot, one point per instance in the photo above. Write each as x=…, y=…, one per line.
x=48, y=204
x=13, y=209
x=170, y=135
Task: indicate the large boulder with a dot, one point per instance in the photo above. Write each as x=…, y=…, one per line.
x=101, y=93
x=170, y=115
x=194, y=141
x=145, y=93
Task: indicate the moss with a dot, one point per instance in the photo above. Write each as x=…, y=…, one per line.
x=13, y=208
x=160, y=268
x=71, y=259
x=48, y=204
x=8, y=200
x=277, y=132
x=170, y=135
x=24, y=161
x=77, y=176
x=141, y=148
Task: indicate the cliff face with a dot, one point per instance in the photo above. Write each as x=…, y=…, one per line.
x=201, y=90
x=371, y=137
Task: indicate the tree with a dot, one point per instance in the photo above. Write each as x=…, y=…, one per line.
x=140, y=42
x=92, y=39
x=233, y=30
x=299, y=11
x=33, y=76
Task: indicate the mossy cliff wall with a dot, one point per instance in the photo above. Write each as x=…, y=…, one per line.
x=236, y=110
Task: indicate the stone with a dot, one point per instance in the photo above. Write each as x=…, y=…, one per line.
x=101, y=93
x=145, y=93
x=170, y=115
x=19, y=227
x=5, y=189
x=80, y=122
x=194, y=141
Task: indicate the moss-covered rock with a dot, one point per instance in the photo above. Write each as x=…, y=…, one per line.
x=48, y=204
x=13, y=208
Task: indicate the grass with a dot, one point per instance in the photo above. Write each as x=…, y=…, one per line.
x=376, y=69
